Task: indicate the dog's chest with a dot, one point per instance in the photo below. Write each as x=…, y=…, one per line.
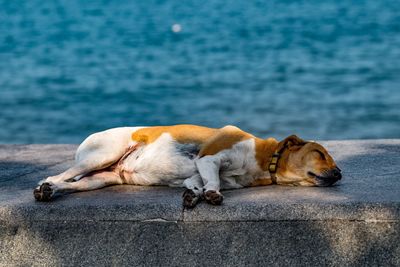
x=239, y=177
x=239, y=167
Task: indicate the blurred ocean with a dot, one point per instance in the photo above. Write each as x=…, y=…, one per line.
x=321, y=69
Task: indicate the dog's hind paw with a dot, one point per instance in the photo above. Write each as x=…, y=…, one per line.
x=43, y=193
x=213, y=197
x=190, y=199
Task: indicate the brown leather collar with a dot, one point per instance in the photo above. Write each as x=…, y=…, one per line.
x=273, y=165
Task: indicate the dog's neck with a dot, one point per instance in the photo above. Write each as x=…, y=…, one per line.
x=265, y=148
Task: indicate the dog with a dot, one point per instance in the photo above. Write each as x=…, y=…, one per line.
x=203, y=160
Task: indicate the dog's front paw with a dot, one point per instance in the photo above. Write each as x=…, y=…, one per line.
x=213, y=197
x=190, y=199
x=43, y=193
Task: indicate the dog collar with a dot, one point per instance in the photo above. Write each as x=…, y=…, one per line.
x=273, y=166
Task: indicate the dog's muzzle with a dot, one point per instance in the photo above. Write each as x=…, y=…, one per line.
x=327, y=178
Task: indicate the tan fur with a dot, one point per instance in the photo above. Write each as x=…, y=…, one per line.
x=264, y=151
x=211, y=140
x=184, y=133
x=223, y=139
x=301, y=157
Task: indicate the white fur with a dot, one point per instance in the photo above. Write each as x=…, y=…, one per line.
x=158, y=163
x=231, y=168
x=97, y=152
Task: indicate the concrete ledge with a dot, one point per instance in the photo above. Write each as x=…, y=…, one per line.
x=354, y=223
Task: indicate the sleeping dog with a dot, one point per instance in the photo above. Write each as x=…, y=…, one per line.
x=203, y=160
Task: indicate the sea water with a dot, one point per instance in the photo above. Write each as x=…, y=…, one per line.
x=320, y=69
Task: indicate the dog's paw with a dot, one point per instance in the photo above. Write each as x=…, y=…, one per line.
x=190, y=199
x=43, y=193
x=213, y=197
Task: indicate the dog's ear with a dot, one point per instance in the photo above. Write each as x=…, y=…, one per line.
x=290, y=142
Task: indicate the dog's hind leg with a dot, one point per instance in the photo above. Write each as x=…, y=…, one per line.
x=93, y=181
x=98, y=151
x=194, y=191
x=96, y=160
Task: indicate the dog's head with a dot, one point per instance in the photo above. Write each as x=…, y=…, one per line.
x=305, y=163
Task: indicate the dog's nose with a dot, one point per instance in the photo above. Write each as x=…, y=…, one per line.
x=336, y=174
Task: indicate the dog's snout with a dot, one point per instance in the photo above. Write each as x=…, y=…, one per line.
x=336, y=173
x=328, y=178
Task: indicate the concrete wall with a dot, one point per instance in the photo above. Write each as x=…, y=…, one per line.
x=354, y=223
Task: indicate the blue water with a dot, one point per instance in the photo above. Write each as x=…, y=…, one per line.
x=321, y=69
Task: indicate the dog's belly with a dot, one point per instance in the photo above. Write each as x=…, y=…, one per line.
x=164, y=162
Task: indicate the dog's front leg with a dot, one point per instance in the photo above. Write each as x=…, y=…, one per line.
x=194, y=191
x=208, y=167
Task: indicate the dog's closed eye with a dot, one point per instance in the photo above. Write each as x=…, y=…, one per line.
x=320, y=154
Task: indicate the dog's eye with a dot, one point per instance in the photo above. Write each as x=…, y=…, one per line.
x=320, y=154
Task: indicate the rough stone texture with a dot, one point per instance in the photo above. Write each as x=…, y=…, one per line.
x=353, y=223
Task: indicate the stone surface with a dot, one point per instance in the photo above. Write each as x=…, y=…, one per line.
x=356, y=222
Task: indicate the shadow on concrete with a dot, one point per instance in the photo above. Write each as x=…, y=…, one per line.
x=22, y=175
x=372, y=177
